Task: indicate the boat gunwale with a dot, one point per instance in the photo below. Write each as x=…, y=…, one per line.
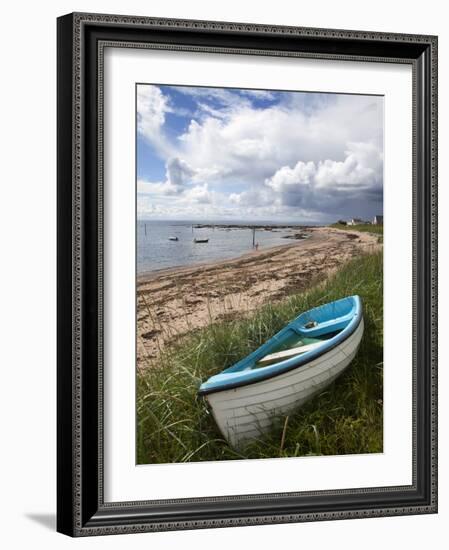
x=353, y=326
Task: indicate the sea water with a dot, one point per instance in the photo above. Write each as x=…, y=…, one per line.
x=156, y=251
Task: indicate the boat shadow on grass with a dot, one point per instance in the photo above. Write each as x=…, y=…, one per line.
x=174, y=425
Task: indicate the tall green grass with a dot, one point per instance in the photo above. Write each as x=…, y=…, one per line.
x=173, y=425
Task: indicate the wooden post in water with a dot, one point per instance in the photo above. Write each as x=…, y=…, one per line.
x=254, y=237
x=145, y=226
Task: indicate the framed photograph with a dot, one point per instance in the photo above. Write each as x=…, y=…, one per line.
x=247, y=279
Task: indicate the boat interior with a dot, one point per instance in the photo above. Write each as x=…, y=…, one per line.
x=307, y=332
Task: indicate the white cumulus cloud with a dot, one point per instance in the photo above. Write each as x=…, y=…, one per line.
x=152, y=106
x=327, y=184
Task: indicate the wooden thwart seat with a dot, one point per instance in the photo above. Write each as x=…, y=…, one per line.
x=286, y=354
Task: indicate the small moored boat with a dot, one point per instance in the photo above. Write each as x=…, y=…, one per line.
x=200, y=240
x=173, y=238
x=285, y=372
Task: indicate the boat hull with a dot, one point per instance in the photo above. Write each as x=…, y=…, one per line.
x=247, y=412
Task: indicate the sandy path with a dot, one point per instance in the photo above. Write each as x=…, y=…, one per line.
x=173, y=302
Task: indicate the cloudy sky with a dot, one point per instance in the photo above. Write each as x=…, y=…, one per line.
x=224, y=154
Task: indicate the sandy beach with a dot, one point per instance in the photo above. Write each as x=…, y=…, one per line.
x=174, y=302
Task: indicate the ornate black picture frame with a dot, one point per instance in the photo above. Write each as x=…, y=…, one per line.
x=81, y=509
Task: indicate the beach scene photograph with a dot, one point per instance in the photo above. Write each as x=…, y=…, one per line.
x=259, y=273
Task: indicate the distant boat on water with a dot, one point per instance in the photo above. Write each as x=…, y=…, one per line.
x=173, y=239
x=200, y=240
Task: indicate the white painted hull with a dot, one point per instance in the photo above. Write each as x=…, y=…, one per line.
x=247, y=412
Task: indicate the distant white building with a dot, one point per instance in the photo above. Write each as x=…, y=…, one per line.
x=355, y=221
x=378, y=220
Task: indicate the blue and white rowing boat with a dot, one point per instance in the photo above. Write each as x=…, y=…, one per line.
x=285, y=372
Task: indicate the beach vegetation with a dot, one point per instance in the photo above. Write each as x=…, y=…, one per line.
x=175, y=425
x=363, y=227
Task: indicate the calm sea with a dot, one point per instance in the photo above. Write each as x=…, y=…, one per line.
x=155, y=250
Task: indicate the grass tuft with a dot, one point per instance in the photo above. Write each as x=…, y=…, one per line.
x=174, y=425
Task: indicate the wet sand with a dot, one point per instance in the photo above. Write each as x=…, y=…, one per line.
x=173, y=302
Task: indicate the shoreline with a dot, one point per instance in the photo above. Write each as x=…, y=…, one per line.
x=155, y=273
x=175, y=301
